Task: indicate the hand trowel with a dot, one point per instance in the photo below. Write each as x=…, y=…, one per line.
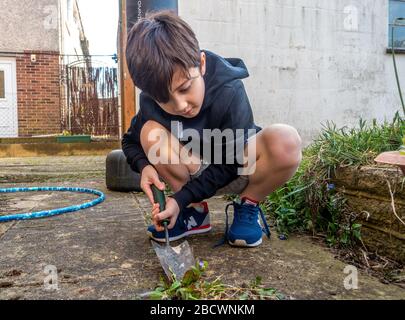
x=174, y=260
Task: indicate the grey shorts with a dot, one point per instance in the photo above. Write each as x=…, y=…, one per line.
x=235, y=187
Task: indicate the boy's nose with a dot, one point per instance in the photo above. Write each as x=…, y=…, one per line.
x=182, y=107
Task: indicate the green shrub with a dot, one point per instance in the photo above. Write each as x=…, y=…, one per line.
x=309, y=201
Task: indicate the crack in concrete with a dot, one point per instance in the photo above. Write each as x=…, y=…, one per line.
x=4, y=232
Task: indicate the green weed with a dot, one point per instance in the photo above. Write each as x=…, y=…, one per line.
x=310, y=201
x=194, y=286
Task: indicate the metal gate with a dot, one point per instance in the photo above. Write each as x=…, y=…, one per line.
x=91, y=100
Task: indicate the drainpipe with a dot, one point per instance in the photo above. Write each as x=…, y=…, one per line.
x=395, y=64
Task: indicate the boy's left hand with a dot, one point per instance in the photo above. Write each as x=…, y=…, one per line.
x=171, y=212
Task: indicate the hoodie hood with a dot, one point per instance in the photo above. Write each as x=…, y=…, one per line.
x=220, y=71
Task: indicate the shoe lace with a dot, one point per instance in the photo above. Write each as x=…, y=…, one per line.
x=249, y=217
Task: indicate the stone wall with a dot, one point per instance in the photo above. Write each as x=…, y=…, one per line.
x=367, y=193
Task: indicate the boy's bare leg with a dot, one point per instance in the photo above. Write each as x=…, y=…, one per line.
x=177, y=171
x=278, y=155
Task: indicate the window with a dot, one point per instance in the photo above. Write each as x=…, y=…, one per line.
x=397, y=10
x=2, y=85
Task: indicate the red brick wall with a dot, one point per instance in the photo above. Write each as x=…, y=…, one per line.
x=38, y=94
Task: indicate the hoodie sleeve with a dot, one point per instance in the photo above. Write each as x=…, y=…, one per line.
x=237, y=115
x=131, y=144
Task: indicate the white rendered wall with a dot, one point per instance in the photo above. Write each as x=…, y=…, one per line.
x=29, y=25
x=309, y=60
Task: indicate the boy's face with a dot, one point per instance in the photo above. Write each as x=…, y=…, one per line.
x=186, y=94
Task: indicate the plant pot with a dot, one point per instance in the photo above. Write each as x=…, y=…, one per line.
x=74, y=139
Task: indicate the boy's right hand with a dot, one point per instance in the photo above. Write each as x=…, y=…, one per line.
x=150, y=176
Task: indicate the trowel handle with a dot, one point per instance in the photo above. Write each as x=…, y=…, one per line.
x=159, y=197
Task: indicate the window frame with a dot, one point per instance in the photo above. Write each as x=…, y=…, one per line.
x=3, y=88
x=389, y=49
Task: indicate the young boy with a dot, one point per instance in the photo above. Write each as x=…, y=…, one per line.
x=185, y=89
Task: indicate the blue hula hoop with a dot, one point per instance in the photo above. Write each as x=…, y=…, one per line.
x=54, y=212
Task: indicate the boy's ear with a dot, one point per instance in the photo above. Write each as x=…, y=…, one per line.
x=203, y=66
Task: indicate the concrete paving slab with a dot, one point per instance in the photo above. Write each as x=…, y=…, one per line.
x=103, y=252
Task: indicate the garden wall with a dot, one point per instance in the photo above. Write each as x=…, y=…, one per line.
x=366, y=190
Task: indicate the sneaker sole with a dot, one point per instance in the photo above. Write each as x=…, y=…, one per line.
x=185, y=234
x=243, y=243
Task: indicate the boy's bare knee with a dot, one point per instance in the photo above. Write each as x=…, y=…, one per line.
x=283, y=144
x=149, y=126
x=146, y=133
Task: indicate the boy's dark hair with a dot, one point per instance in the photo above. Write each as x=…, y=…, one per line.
x=156, y=45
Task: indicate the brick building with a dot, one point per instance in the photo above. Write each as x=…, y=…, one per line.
x=37, y=37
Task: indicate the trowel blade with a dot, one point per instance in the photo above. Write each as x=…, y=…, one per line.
x=177, y=260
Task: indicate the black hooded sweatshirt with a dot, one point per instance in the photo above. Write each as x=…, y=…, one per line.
x=225, y=106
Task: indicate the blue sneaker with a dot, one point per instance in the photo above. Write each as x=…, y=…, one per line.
x=245, y=230
x=190, y=221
